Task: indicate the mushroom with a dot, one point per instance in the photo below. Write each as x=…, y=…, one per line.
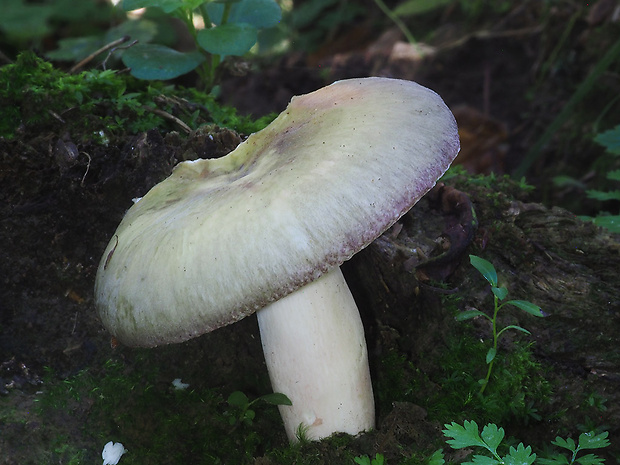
x=265, y=229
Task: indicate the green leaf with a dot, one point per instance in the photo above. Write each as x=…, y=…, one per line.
x=493, y=436
x=238, y=399
x=228, y=39
x=23, y=20
x=499, y=292
x=565, y=443
x=491, y=355
x=74, y=49
x=258, y=13
x=469, y=314
x=378, y=460
x=437, y=458
x=485, y=268
x=463, y=436
x=142, y=30
x=610, y=140
x=593, y=441
x=556, y=459
x=416, y=7
x=568, y=181
x=150, y=61
x=611, y=222
x=518, y=328
x=603, y=195
x=590, y=459
x=277, y=398
x=167, y=6
x=614, y=175
x=483, y=460
x=528, y=307
x=520, y=456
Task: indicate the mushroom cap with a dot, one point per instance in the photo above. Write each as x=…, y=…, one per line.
x=221, y=238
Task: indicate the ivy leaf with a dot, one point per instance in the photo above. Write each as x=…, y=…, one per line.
x=520, y=456
x=528, y=307
x=228, y=39
x=593, y=441
x=485, y=268
x=463, y=436
x=151, y=61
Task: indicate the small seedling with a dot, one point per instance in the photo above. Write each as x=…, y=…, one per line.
x=586, y=441
x=487, y=270
x=240, y=406
x=365, y=460
x=491, y=438
x=230, y=29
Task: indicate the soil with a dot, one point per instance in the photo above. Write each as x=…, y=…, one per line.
x=58, y=212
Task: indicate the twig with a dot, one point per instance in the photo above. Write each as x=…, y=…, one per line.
x=109, y=46
x=166, y=115
x=87, y=168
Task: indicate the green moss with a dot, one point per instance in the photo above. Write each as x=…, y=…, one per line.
x=156, y=423
x=36, y=97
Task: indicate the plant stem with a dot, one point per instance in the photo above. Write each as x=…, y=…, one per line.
x=488, y=376
x=404, y=29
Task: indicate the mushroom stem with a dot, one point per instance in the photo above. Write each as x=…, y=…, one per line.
x=316, y=354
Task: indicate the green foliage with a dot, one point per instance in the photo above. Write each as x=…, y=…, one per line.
x=231, y=29
x=240, y=406
x=487, y=270
x=25, y=21
x=588, y=440
x=492, y=441
x=365, y=460
x=611, y=141
x=437, y=458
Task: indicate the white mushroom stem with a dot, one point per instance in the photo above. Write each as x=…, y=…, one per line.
x=316, y=354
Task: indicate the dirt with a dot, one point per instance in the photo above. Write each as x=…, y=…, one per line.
x=58, y=211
